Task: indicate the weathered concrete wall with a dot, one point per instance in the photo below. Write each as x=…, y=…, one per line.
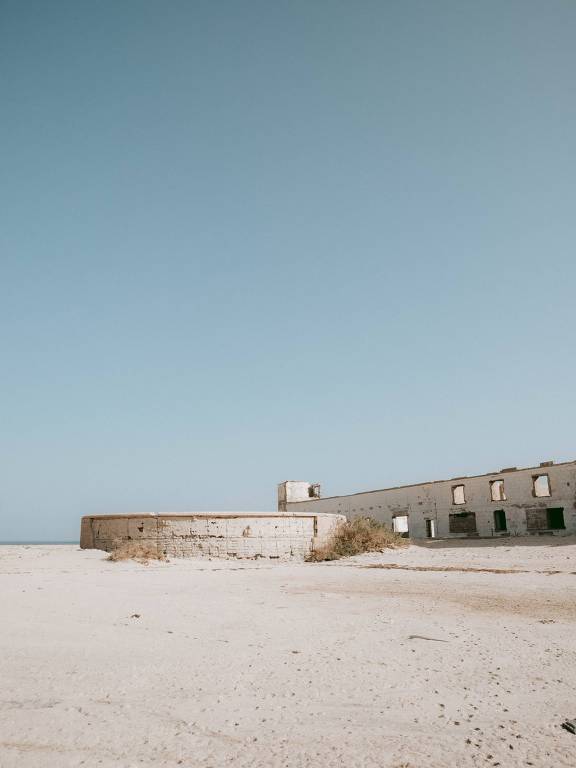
x=524, y=512
x=242, y=535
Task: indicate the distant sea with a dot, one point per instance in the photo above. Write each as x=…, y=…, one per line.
x=5, y=543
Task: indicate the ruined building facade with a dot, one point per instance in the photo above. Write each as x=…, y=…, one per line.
x=512, y=502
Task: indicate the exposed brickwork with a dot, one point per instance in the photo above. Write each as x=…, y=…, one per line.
x=242, y=536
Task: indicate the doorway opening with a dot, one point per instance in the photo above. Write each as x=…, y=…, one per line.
x=555, y=518
x=500, y=524
x=430, y=528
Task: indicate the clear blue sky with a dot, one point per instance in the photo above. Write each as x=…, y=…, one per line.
x=248, y=242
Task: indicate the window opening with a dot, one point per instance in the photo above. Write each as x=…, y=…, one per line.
x=458, y=496
x=497, y=490
x=541, y=485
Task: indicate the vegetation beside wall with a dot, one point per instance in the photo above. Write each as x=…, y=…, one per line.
x=363, y=534
x=141, y=551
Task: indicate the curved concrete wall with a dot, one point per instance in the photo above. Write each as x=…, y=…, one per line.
x=242, y=535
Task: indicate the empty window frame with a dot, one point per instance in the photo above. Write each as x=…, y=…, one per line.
x=314, y=491
x=458, y=495
x=500, y=521
x=541, y=485
x=462, y=522
x=542, y=519
x=400, y=524
x=497, y=492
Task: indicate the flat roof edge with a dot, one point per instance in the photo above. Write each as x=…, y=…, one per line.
x=196, y=515
x=545, y=469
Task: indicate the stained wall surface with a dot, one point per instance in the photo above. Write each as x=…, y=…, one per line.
x=295, y=490
x=522, y=512
x=242, y=535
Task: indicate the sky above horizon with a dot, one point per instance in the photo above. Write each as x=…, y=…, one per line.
x=250, y=242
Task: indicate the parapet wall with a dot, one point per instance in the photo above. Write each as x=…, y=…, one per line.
x=241, y=535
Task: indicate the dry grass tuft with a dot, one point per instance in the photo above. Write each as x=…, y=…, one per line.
x=363, y=534
x=141, y=551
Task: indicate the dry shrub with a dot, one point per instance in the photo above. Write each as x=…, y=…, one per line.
x=363, y=534
x=141, y=551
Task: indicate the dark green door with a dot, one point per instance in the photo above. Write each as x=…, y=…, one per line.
x=500, y=520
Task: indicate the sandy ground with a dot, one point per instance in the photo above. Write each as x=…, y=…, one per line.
x=213, y=663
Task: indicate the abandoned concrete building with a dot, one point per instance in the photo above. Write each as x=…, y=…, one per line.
x=511, y=502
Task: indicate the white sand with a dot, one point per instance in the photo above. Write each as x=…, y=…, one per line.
x=265, y=664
